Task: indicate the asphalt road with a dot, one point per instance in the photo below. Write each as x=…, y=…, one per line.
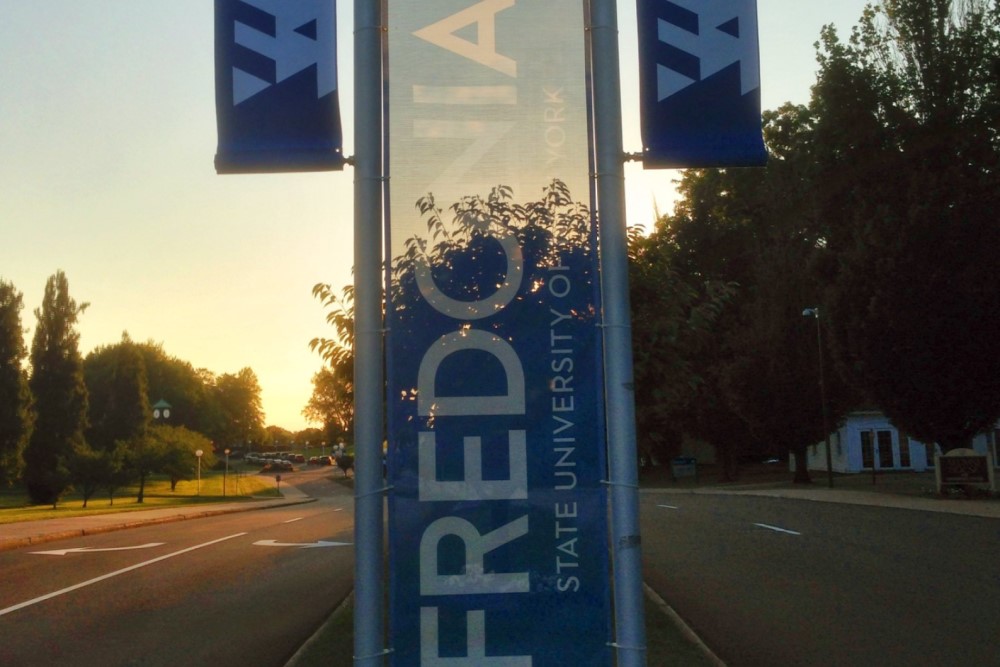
x=238, y=589
x=778, y=582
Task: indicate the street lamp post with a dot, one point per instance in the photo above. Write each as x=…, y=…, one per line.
x=814, y=312
x=198, y=453
x=225, y=475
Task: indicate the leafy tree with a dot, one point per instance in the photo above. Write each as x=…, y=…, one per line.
x=276, y=438
x=90, y=469
x=117, y=389
x=311, y=436
x=179, y=445
x=331, y=403
x=345, y=462
x=15, y=400
x=147, y=454
x=119, y=472
x=672, y=318
x=59, y=393
x=908, y=188
x=188, y=390
x=753, y=233
x=238, y=397
x=332, y=400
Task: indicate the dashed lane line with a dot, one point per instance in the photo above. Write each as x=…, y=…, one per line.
x=777, y=529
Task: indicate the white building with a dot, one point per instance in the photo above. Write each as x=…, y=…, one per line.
x=867, y=439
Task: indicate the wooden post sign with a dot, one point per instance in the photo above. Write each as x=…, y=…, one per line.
x=963, y=467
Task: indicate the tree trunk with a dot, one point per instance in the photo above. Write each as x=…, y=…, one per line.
x=727, y=455
x=142, y=487
x=801, y=467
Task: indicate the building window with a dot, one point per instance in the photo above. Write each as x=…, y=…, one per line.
x=885, y=449
x=867, y=450
x=904, y=452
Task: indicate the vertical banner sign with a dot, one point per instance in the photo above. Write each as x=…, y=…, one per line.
x=498, y=520
x=276, y=86
x=699, y=83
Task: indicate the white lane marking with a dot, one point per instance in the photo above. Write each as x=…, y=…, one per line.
x=95, y=580
x=89, y=550
x=301, y=545
x=669, y=507
x=339, y=509
x=775, y=528
x=294, y=520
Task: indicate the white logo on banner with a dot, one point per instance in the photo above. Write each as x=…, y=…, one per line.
x=304, y=36
x=727, y=34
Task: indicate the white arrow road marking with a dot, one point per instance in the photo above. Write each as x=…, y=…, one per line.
x=775, y=528
x=301, y=545
x=669, y=507
x=87, y=550
x=95, y=580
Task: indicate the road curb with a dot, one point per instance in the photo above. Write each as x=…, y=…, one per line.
x=684, y=628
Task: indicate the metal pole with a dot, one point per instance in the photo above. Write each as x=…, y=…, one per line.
x=822, y=398
x=630, y=641
x=369, y=645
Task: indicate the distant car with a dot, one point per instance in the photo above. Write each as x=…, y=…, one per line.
x=325, y=460
x=297, y=458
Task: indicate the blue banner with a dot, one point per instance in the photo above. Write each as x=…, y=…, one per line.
x=497, y=513
x=699, y=83
x=276, y=86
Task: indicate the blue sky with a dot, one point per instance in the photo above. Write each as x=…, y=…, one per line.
x=107, y=141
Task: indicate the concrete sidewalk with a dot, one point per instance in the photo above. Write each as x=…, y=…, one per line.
x=902, y=490
x=26, y=533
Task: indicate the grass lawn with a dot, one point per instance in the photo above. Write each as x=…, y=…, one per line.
x=333, y=645
x=238, y=486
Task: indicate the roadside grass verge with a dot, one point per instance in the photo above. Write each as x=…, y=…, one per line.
x=333, y=644
x=14, y=504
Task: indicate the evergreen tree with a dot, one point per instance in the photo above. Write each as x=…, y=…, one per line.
x=59, y=392
x=15, y=416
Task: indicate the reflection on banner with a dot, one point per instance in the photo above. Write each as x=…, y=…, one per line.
x=498, y=521
x=699, y=80
x=276, y=86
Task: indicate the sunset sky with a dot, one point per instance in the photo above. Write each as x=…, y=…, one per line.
x=107, y=141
